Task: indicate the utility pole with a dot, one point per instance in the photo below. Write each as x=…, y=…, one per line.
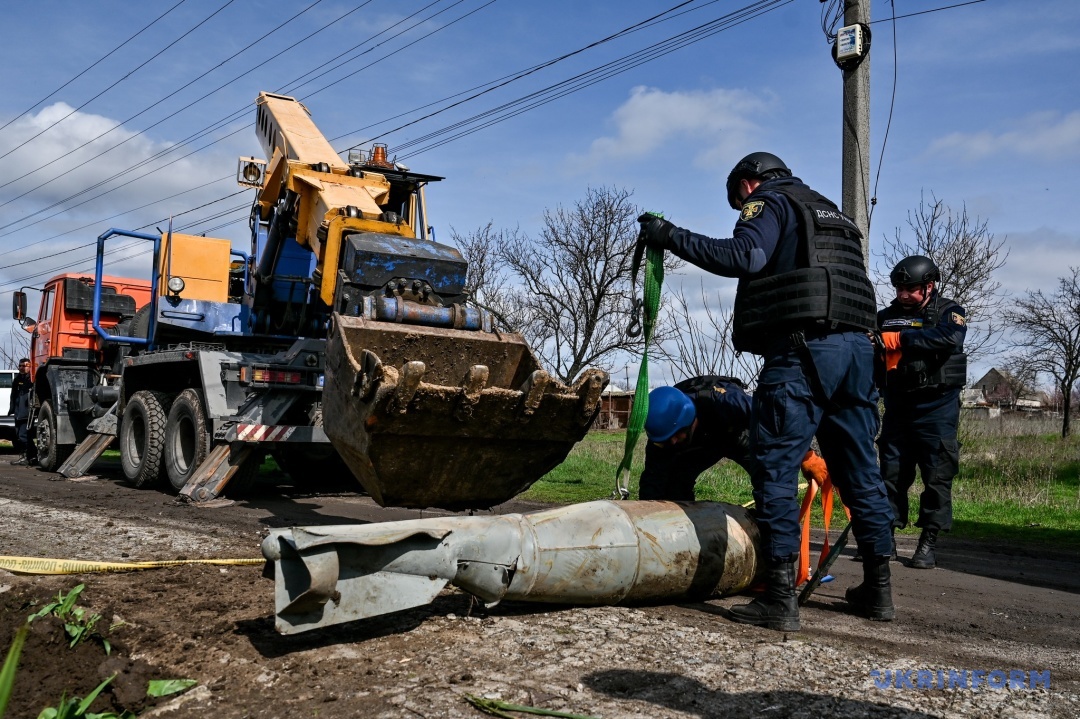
x=856, y=147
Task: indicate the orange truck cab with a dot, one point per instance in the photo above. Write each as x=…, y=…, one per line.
x=74, y=371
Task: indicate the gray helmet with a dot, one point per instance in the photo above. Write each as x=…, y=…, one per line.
x=760, y=165
x=914, y=270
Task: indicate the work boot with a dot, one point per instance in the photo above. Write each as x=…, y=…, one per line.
x=924, y=554
x=873, y=598
x=778, y=607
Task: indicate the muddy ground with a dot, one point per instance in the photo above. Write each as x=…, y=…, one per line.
x=986, y=607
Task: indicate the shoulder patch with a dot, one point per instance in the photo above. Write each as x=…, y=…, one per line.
x=957, y=318
x=721, y=390
x=751, y=210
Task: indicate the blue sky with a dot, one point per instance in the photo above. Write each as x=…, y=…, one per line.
x=986, y=115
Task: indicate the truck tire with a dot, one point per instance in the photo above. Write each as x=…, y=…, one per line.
x=50, y=454
x=142, y=438
x=187, y=440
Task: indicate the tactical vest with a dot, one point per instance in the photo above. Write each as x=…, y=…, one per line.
x=936, y=370
x=827, y=290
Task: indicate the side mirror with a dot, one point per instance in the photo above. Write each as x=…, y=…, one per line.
x=18, y=305
x=28, y=323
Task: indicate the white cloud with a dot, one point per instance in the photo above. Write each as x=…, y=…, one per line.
x=38, y=240
x=1043, y=135
x=80, y=168
x=719, y=123
x=1037, y=259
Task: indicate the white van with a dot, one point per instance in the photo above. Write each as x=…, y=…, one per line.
x=7, y=422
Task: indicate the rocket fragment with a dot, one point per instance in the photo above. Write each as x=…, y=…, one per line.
x=593, y=553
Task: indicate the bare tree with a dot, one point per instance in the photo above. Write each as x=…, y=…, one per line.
x=14, y=347
x=574, y=289
x=702, y=345
x=486, y=281
x=967, y=254
x=1021, y=373
x=1047, y=328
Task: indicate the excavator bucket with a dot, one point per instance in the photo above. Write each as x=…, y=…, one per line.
x=438, y=417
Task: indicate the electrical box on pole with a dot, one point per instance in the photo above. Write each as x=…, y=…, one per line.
x=849, y=43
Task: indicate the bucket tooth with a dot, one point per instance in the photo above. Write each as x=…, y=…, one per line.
x=471, y=387
x=368, y=375
x=485, y=439
x=411, y=374
x=588, y=389
x=533, y=391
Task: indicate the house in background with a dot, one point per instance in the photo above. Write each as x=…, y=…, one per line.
x=999, y=390
x=615, y=406
x=995, y=387
x=972, y=397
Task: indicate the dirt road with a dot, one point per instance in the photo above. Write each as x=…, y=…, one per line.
x=986, y=608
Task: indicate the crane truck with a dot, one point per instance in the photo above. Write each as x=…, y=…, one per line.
x=343, y=339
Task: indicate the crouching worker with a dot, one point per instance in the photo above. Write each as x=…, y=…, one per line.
x=691, y=427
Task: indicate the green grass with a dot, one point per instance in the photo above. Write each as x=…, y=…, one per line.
x=1015, y=487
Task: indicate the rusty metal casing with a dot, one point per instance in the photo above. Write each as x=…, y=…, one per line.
x=593, y=553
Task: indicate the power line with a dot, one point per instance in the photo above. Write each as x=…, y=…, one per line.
x=91, y=67
x=395, y=52
x=207, y=129
x=227, y=224
x=653, y=49
x=888, y=124
x=125, y=77
x=119, y=214
x=598, y=74
x=66, y=267
x=508, y=79
x=926, y=12
x=90, y=244
x=145, y=174
x=141, y=112
x=292, y=83
x=110, y=252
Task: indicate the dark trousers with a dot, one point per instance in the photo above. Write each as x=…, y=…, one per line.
x=20, y=434
x=920, y=431
x=788, y=410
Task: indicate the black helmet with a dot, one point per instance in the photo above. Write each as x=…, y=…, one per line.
x=914, y=270
x=759, y=165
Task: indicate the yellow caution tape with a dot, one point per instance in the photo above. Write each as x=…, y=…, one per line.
x=40, y=565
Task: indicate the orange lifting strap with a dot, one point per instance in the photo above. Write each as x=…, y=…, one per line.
x=817, y=478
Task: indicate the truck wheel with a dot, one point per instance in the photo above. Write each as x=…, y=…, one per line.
x=187, y=440
x=142, y=438
x=50, y=454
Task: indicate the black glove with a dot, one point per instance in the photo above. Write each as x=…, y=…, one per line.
x=656, y=231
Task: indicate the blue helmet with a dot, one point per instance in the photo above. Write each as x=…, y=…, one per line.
x=669, y=411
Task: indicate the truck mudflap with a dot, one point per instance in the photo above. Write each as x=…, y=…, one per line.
x=437, y=417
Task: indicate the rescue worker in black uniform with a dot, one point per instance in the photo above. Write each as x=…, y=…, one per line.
x=924, y=369
x=805, y=304
x=19, y=408
x=691, y=427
